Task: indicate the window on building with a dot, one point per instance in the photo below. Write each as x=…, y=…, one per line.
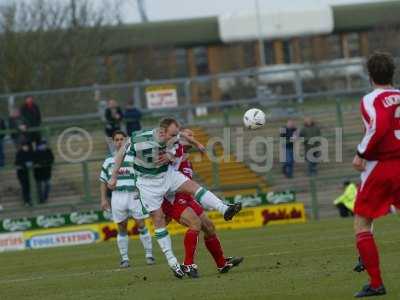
x=101, y=69
x=287, y=52
x=249, y=57
x=353, y=40
x=160, y=63
x=181, y=62
x=120, y=64
x=306, y=49
x=269, y=53
x=201, y=60
x=334, y=47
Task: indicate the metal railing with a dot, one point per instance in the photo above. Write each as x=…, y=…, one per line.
x=266, y=86
x=87, y=186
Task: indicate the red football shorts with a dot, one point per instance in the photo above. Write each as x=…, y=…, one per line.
x=379, y=189
x=181, y=202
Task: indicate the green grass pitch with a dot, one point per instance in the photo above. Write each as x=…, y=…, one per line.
x=307, y=261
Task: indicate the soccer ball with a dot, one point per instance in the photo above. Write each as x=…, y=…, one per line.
x=254, y=118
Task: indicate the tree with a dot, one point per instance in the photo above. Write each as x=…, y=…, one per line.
x=142, y=11
x=46, y=44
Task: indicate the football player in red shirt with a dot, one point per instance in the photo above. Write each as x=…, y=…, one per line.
x=185, y=210
x=378, y=158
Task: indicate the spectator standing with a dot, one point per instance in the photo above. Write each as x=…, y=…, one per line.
x=24, y=160
x=113, y=115
x=2, y=135
x=132, y=117
x=30, y=112
x=43, y=162
x=310, y=133
x=19, y=128
x=289, y=134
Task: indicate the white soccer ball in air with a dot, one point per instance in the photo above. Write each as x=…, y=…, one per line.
x=254, y=118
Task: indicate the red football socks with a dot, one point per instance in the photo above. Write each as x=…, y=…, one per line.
x=370, y=257
x=190, y=242
x=214, y=247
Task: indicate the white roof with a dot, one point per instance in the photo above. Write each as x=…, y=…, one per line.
x=277, y=19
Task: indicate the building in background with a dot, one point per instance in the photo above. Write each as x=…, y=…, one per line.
x=211, y=45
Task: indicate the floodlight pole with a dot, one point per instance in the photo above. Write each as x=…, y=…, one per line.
x=259, y=33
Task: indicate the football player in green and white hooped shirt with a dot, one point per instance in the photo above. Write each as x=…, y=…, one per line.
x=153, y=152
x=124, y=202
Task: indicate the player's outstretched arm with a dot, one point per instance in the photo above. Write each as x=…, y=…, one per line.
x=118, y=159
x=193, y=141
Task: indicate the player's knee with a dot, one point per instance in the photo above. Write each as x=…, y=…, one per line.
x=209, y=230
x=195, y=223
x=140, y=224
x=208, y=227
x=189, y=187
x=123, y=227
x=361, y=224
x=158, y=218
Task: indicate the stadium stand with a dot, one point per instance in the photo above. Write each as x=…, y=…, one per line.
x=68, y=183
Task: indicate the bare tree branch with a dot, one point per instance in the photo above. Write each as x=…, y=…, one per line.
x=50, y=44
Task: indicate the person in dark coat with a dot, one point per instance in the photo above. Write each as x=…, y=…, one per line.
x=43, y=162
x=132, y=117
x=289, y=134
x=19, y=127
x=23, y=161
x=310, y=132
x=2, y=135
x=113, y=116
x=30, y=112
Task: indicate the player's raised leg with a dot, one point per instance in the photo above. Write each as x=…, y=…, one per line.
x=208, y=200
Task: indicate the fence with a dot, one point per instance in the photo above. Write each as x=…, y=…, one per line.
x=267, y=86
x=77, y=182
x=85, y=190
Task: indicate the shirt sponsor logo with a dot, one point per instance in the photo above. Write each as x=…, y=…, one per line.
x=11, y=241
x=124, y=171
x=62, y=239
x=182, y=201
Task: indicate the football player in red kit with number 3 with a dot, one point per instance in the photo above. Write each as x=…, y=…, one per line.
x=378, y=158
